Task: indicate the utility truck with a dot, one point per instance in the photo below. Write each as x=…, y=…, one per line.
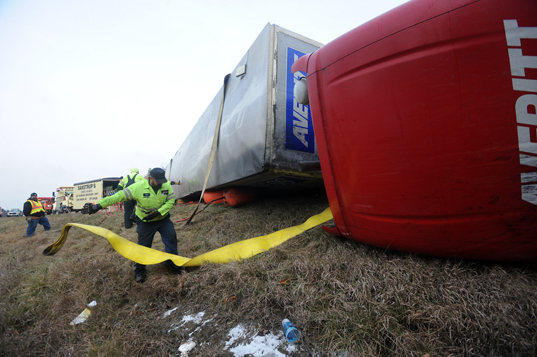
x=64, y=200
x=93, y=191
x=47, y=203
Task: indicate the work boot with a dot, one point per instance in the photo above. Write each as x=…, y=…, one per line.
x=172, y=268
x=140, y=278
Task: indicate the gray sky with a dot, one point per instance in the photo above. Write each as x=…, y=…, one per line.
x=90, y=89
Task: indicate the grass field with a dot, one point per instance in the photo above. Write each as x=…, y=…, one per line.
x=346, y=298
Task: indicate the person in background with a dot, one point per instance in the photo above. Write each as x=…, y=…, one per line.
x=128, y=206
x=155, y=199
x=35, y=214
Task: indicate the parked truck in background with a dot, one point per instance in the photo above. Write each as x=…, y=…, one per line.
x=64, y=200
x=93, y=191
x=47, y=203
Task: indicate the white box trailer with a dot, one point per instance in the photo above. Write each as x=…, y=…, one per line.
x=265, y=134
x=93, y=191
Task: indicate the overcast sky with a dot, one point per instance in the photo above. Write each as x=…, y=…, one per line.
x=90, y=89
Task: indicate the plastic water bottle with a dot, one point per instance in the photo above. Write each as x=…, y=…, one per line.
x=291, y=333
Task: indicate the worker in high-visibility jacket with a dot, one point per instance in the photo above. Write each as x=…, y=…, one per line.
x=35, y=214
x=128, y=206
x=155, y=199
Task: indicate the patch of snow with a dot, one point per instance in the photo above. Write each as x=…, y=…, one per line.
x=258, y=346
x=190, y=334
x=196, y=318
x=168, y=313
x=203, y=324
x=187, y=346
x=255, y=346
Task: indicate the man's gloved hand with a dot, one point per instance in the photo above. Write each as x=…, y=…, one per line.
x=151, y=216
x=28, y=219
x=94, y=208
x=91, y=209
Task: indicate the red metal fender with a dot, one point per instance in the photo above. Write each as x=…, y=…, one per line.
x=301, y=64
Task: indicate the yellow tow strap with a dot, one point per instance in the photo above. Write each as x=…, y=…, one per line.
x=213, y=149
x=235, y=251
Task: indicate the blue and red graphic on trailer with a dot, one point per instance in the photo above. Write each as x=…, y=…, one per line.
x=299, y=134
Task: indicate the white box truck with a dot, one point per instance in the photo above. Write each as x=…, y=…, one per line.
x=93, y=191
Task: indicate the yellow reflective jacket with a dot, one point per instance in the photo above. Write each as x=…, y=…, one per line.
x=36, y=207
x=147, y=200
x=133, y=177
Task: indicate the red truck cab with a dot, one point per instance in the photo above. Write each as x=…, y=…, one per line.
x=426, y=126
x=47, y=203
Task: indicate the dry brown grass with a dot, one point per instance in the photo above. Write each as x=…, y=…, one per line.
x=345, y=297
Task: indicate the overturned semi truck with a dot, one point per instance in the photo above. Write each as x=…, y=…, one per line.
x=266, y=137
x=427, y=128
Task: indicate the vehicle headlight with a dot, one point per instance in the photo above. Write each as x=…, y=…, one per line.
x=301, y=91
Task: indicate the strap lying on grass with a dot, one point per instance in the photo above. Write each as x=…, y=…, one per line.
x=235, y=251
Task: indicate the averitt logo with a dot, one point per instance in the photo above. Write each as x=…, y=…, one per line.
x=526, y=104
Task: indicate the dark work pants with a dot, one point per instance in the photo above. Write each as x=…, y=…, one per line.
x=32, y=225
x=146, y=232
x=128, y=206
